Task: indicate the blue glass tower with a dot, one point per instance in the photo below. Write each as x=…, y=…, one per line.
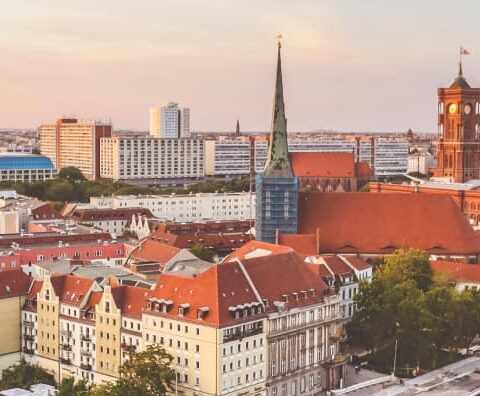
x=277, y=187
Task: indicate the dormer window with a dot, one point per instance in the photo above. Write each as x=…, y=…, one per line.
x=202, y=313
x=285, y=298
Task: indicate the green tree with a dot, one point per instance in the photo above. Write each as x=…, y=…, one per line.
x=202, y=252
x=70, y=387
x=146, y=373
x=72, y=174
x=24, y=375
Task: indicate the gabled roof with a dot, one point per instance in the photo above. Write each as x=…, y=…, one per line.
x=150, y=249
x=457, y=271
x=71, y=289
x=323, y=164
x=130, y=299
x=382, y=223
x=231, y=285
x=301, y=243
x=14, y=283
x=257, y=248
x=218, y=288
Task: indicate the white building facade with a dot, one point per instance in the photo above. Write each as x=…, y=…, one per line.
x=186, y=208
x=133, y=158
x=170, y=121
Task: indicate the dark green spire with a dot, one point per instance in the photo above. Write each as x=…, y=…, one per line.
x=278, y=163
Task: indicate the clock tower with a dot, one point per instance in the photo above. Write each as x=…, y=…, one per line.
x=458, y=144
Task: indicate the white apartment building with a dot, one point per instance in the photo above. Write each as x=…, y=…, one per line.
x=188, y=207
x=169, y=121
x=232, y=155
x=134, y=158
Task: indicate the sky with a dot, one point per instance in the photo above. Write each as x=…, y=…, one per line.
x=349, y=65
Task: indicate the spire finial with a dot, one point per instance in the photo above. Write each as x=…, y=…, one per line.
x=279, y=40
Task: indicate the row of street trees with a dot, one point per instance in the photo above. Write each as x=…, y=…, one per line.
x=407, y=303
x=146, y=373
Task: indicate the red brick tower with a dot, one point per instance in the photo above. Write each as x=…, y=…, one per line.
x=458, y=145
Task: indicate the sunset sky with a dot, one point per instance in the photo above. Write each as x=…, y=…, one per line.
x=351, y=65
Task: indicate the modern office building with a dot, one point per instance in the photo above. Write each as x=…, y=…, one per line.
x=26, y=167
x=237, y=155
x=70, y=142
x=169, y=121
x=276, y=186
x=186, y=208
x=142, y=158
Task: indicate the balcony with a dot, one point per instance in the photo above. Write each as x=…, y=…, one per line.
x=85, y=366
x=28, y=337
x=86, y=337
x=85, y=352
x=28, y=351
x=28, y=323
x=238, y=335
x=304, y=325
x=66, y=333
x=66, y=347
x=65, y=361
x=337, y=359
x=128, y=347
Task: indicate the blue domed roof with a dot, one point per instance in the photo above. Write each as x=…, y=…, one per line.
x=24, y=161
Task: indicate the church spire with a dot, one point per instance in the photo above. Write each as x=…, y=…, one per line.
x=237, y=129
x=278, y=163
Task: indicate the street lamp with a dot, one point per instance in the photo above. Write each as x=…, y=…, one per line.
x=396, y=346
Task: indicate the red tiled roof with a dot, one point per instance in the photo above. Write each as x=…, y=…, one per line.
x=35, y=287
x=286, y=273
x=131, y=300
x=217, y=288
x=93, y=299
x=323, y=164
x=109, y=214
x=358, y=263
x=337, y=266
x=71, y=289
x=382, y=223
x=301, y=243
x=457, y=271
x=46, y=211
x=225, y=285
x=363, y=169
x=151, y=249
x=253, y=246
x=14, y=283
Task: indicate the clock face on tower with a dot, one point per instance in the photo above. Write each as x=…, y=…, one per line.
x=467, y=109
x=452, y=109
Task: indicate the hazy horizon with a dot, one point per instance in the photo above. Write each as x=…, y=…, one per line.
x=372, y=65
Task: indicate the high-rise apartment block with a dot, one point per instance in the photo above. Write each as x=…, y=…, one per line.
x=140, y=158
x=169, y=121
x=70, y=142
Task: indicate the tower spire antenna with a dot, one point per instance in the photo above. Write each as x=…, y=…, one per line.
x=460, y=68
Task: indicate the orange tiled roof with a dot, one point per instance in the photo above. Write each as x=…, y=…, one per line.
x=323, y=164
x=225, y=286
x=14, y=283
x=130, y=299
x=301, y=243
x=151, y=249
x=71, y=289
x=363, y=169
x=382, y=223
x=34, y=289
x=250, y=247
x=457, y=271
